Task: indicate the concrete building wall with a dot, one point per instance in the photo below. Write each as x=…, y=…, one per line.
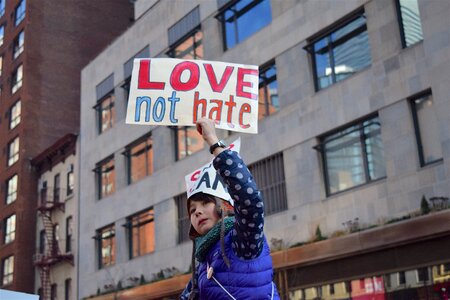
x=383, y=87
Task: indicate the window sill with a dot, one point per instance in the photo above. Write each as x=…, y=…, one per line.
x=357, y=187
x=431, y=164
x=343, y=80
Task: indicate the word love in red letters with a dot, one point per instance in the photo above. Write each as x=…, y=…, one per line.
x=192, y=82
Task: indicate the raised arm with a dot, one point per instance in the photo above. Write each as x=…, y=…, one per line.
x=248, y=204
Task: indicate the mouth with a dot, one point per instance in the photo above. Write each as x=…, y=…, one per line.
x=202, y=221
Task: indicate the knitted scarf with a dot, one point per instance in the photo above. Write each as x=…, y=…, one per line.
x=203, y=243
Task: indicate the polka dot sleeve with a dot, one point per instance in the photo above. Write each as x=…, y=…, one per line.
x=248, y=204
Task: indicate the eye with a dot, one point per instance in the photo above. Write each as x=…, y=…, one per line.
x=191, y=211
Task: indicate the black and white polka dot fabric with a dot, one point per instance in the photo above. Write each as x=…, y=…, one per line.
x=247, y=234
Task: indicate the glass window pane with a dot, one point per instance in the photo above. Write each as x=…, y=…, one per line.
x=11, y=194
x=107, y=178
x=141, y=160
x=341, y=53
x=189, y=141
x=352, y=56
x=428, y=129
x=345, y=166
x=15, y=115
x=242, y=20
x=143, y=233
x=107, y=113
x=412, y=27
x=354, y=156
x=10, y=229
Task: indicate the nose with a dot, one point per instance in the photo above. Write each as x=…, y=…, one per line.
x=198, y=212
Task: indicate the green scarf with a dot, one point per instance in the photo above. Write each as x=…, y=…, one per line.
x=203, y=243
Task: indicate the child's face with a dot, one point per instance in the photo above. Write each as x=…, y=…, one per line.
x=203, y=216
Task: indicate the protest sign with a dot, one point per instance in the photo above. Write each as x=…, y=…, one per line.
x=168, y=91
x=206, y=179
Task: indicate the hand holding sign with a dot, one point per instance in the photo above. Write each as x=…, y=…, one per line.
x=167, y=91
x=207, y=129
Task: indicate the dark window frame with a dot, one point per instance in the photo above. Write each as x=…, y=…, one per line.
x=265, y=82
x=7, y=235
x=99, y=172
x=17, y=47
x=112, y=237
x=67, y=288
x=362, y=137
x=12, y=158
x=236, y=15
x=415, y=117
x=8, y=193
x=185, y=129
x=133, y=222
x=42, y=241
x=327, y=32
x=191, y=34
x=69, y=233
x=19, y=18
x=3, y=271
x=401, y=26
x=70, y=181
x=110, y=108
x=53, y=291
x=57, y=188
x=16, y=83
x=15, y=121
x=128, y=154
x=183, y=218
x=269, y=174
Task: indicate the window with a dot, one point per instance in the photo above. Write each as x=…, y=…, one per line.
x=242, y=19
x=42, y=241
x=141, y=229
x=353, y=156
x=18, y=44
x=106, y=246
x=2, y=34
x=184, y=221
x=269, y=174
x=7, y=270
x=54, y=291
x=410, y=24
x=11, y=189
x=17, y=77
x=106, y=112
x=1, y=65
x=106, y=176
x=56, y=188
x=422, y=274
x=19, y=13
x=140, y=159
x=341, y=52
x=268, y=91
x=427, y=128
x=13, y=151
x=2, y=7
x=14, y=116
x=67, y=288
x=70, y=181
x=401, y=277
x=69, y=231
x=187, y=141
x=10, y=229
x=190, y=47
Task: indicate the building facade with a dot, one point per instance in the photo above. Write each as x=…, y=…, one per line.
x=352, y=150
x=43, y=46
x=55, y=257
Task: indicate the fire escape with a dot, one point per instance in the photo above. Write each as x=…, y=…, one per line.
x=49, y=253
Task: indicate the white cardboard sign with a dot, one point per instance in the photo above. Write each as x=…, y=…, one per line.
x=169, y=91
